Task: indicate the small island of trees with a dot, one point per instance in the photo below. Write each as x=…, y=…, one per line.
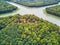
x=35, y=3
x=6, y=7
x=55, y=10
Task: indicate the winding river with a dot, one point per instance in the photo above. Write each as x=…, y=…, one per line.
x=36, y=11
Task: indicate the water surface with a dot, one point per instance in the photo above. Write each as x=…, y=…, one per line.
x=36, y=11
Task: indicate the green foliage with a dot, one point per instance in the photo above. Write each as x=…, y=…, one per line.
x=5, y=7
x=35, y=3
x=55, y=10
x=28, y=30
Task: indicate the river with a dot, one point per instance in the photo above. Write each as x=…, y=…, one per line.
x=36, y=11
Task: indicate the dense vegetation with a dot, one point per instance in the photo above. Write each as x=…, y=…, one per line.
x=33, y=3
x=5, y=7
x=28, y=30
x=55, y=10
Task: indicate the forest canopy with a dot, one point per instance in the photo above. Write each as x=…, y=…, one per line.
x=6, y=7
x=55, y=10
x=35, y=3
x=28, y=30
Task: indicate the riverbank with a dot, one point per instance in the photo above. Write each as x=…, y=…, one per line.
x=35, y=3
x=6, y=7
x=51, y=15
x=36, y=11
